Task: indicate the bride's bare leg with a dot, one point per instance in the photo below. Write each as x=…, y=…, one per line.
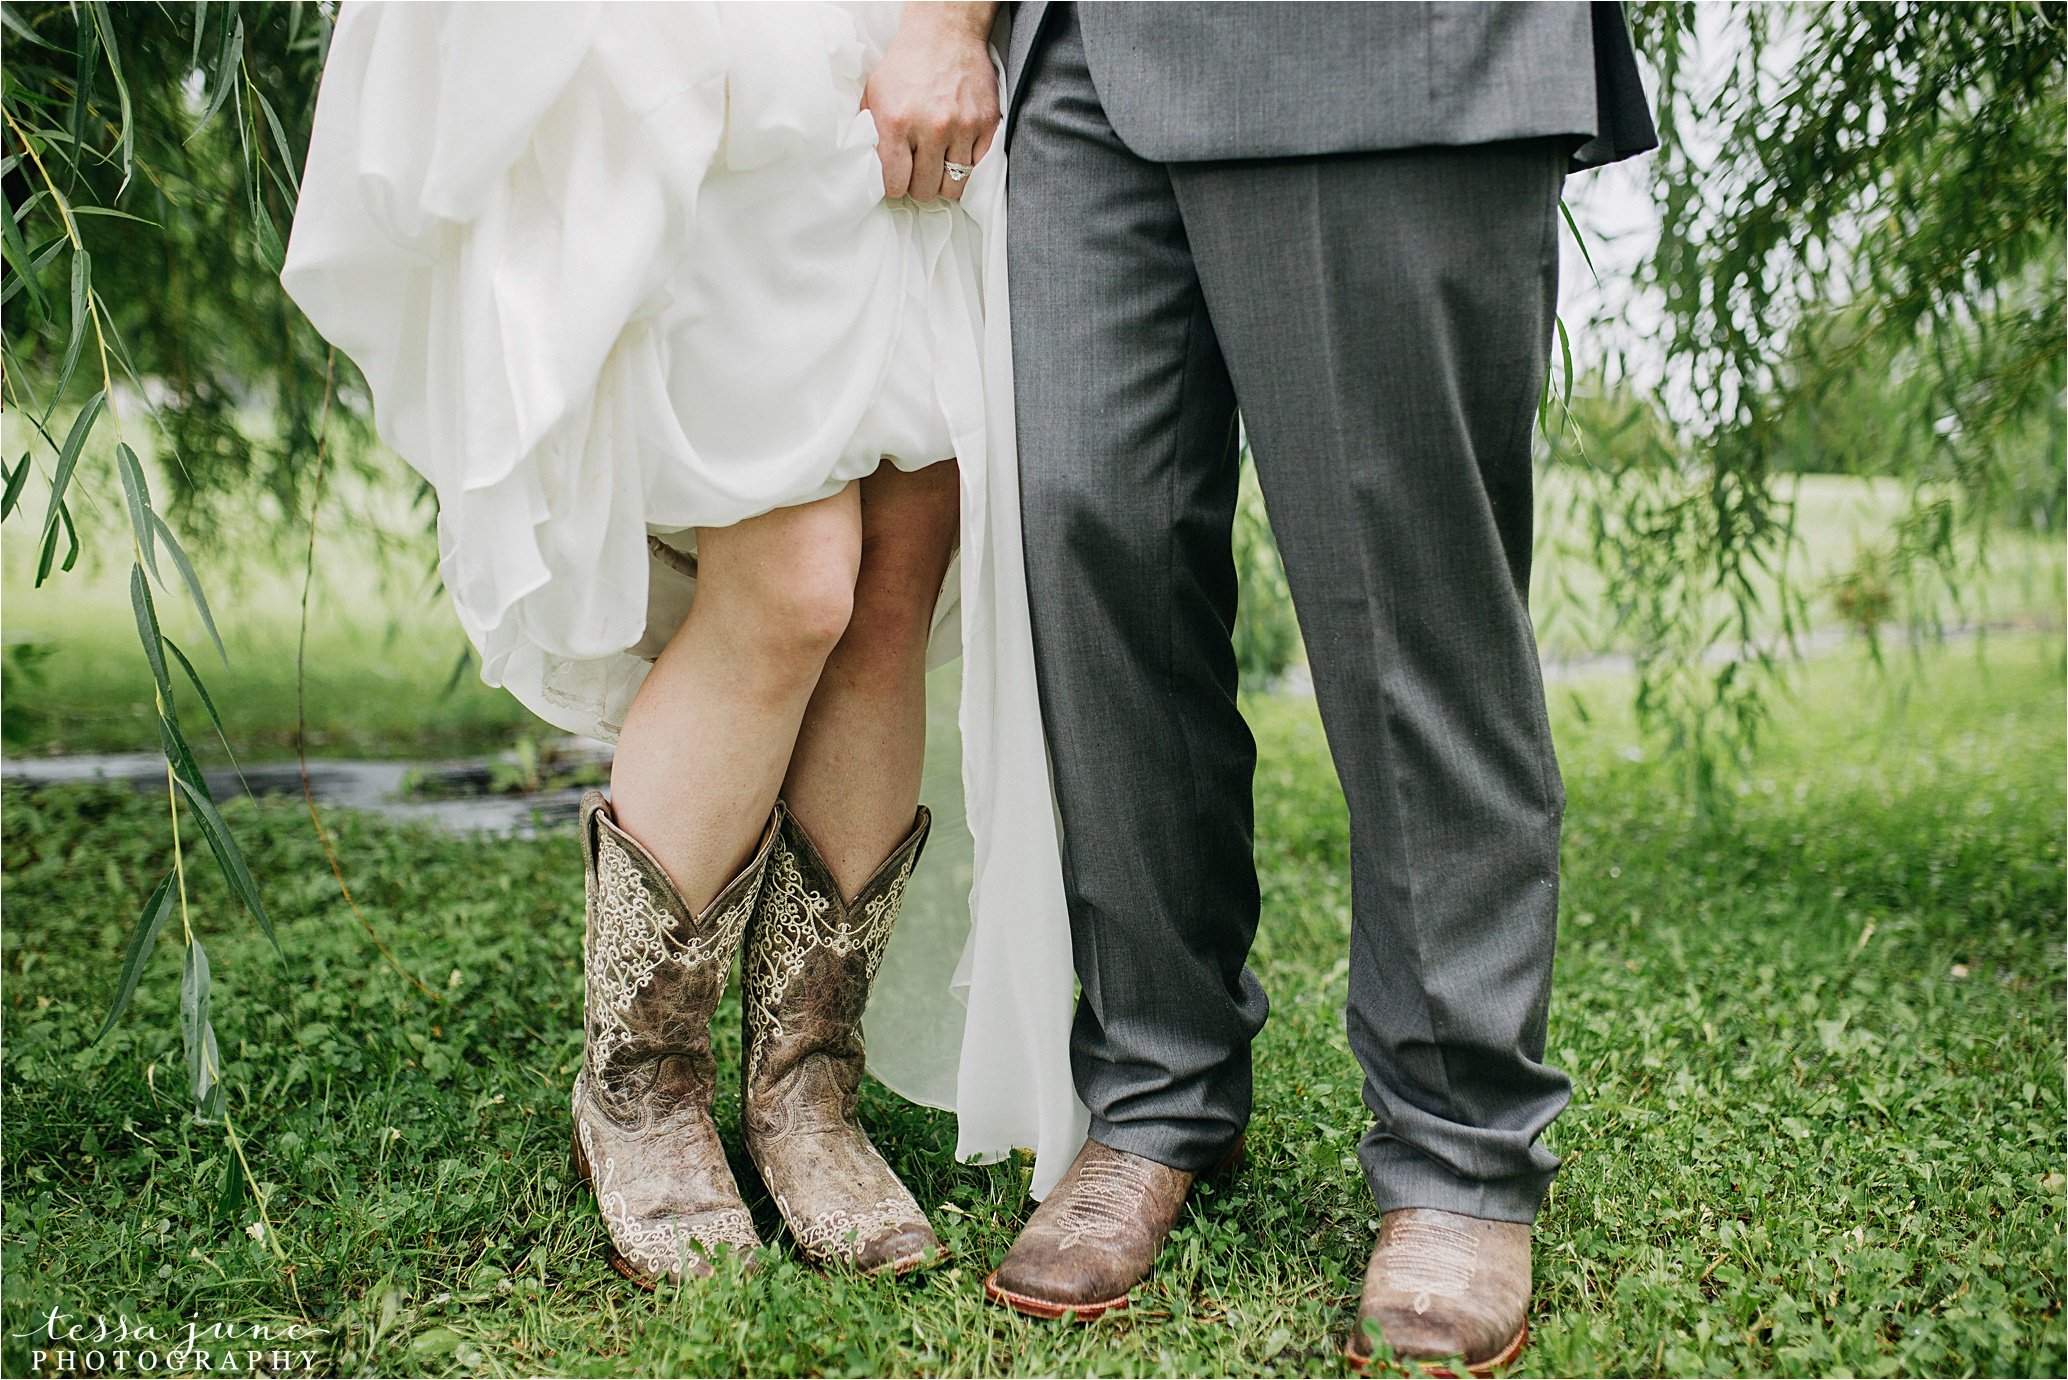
x=710, y=734
x=854, y=778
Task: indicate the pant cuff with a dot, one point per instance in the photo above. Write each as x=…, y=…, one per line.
x=1404, y=1178
x=1191, y=1146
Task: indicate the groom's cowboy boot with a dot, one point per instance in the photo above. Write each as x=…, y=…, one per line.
x=1443, y=1285
x=643, y=1134
x=1096, y=1234
x=811, y=960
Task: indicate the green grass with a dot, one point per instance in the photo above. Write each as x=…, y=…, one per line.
x=1817, y=1049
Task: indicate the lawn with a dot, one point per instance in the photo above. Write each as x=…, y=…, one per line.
x=1817, y=1043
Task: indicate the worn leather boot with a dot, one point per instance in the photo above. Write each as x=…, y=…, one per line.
x=811, y=959
x=643, y=1134
x=1096, y=1234
x=1441, y=1286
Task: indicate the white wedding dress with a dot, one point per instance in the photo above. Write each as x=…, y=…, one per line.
x=614, y=272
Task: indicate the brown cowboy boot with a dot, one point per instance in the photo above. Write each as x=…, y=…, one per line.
x=811, y=959
x=1444, y=1285
x=1096, y=1234
x=643, y=1134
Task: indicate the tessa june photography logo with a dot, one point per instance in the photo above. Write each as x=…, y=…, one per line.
x=64, y=1343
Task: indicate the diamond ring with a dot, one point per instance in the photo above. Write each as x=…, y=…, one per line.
x=958, y=172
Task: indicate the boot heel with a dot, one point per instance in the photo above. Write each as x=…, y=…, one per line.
x=576, y=1160
x=1232, y=1163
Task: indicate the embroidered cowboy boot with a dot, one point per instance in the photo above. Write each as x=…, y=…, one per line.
x=810, y=961
x=1443, y=1285
x=643, y=1134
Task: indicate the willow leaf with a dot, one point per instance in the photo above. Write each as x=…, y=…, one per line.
x=137, y=493
x=229, y=858
x=227, y=59
x=208, y=704
x=47, y=557
x=180, y=757
x=68, y=458
x=192, y=582
x=230, y=1193
x=24, y=263
x=156, y=911
x=40, y=256
x=79, y=111
x=147, y=633
x=82, y=313
x=128, y=133
x=1565, y=349
x=1579, y=239
x=112, y=214
x=17, y=480
x=196, y=1033
x=280, y=142
x=21, y=30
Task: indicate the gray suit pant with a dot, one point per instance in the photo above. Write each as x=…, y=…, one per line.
x=1383, y=323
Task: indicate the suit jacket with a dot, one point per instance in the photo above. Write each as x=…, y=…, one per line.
x=1197, y=82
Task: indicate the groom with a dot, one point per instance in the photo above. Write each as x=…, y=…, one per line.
x=1341, y=222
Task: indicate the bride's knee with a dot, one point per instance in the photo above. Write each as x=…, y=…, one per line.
x=908, y=538
x=789, y=594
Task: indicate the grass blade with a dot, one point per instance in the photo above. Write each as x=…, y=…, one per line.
x=229, y=858
x=192, y=582
x=68, y=457
x=156, y=911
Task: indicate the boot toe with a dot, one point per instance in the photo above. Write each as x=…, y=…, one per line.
x=1030, y=1282
x=908, y=1249
x=1418, y=1338
x=679, y=1248
x=718, y=1235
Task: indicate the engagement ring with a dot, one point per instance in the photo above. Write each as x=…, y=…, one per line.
x=958, y=172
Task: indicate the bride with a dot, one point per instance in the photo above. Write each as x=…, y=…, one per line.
x=693, y=314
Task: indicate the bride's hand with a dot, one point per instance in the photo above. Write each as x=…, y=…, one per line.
x=935, y=98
